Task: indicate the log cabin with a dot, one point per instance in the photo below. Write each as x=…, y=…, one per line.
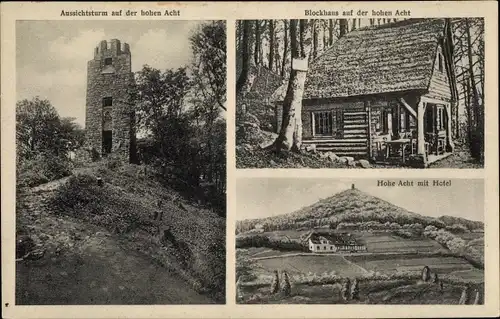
x=383, y=93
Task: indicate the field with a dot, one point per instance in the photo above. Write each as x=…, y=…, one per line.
x=387, y=264
x=388, y=273
x=312, y=264
x=259, y=252
x=385, y=243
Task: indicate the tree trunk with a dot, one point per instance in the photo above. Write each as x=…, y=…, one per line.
x=290, y=136
x=244, y=80
x=285, y=47
x=315, y=38
x=271, y=44
x=330, y=32
x=470, y=122
x=353, y=24
x=342, y=27
x=325, y=41
x=257, y=42
x=475, y=95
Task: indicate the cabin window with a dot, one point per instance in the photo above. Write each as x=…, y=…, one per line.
x=107, y=101
x=108, y=61
x=440, y=62
x=324, y=123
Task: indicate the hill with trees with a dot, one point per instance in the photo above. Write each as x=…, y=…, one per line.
x=351, y=207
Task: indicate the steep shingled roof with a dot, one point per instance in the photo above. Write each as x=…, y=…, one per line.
x=393, y=57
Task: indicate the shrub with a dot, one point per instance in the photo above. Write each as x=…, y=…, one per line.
x=426, y=274
x=344, y=292
x=113, y=163
x=275, y=285
x=355, y=289
x=477, y=298
x=464, y=298
x=286, y=288
x=42, y=168
x=81, y=197
x=265, y=241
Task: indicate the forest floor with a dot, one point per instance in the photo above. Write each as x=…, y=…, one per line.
x=263, y=158
x=460, y=158
x=85, y=262
x=252, y=156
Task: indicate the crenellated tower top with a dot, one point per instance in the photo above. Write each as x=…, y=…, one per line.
x=111, y=48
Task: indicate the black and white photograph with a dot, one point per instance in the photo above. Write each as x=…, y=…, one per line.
x=360, y=93
x=121, y=162
x=360, y=241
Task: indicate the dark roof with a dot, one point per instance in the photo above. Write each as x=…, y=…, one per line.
x=336, y=239
x=393, y=57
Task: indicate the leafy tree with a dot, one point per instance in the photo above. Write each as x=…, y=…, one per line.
x=160, y=100
x=39, y=129
x=209, y=101
x=209, y=49
x=43, y=140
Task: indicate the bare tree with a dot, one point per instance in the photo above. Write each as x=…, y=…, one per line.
x=290, y=136
x=271, y=44
x=342, y=27
x=331, y=25
x=244, y=81
x=285, y=46
x=257, y=42
x=315, y=38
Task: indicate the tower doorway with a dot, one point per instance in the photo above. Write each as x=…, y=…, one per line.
x=107, y=142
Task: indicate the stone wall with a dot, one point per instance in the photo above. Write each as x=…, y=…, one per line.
x=113, y=80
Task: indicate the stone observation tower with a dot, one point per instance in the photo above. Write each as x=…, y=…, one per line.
x=110, y=118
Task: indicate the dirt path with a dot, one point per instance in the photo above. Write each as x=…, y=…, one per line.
x=85, y=264
x=100, y=271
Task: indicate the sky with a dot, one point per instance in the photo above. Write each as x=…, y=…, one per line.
x=264, y=197
x=51, y=56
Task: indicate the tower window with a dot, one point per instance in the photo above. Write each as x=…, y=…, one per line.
x=440, y=62
x=107, y=101
x=108, y=61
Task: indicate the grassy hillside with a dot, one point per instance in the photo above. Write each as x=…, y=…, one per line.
x=103, y=241
x=348, y=206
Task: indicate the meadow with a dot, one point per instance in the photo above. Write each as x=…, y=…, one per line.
x=313, y=264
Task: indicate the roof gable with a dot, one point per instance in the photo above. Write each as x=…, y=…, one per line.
x=389, y=58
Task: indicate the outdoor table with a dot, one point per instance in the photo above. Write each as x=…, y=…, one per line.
x=397, y=144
